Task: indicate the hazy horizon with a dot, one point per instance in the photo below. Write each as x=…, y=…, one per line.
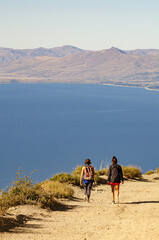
x=80, y=48
x=91, y=24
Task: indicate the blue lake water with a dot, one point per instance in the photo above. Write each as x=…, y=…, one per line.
x=55, y=127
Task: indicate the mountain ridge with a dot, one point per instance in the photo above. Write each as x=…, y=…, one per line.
x=69, y=64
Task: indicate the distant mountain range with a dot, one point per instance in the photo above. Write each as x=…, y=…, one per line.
x=70, y=64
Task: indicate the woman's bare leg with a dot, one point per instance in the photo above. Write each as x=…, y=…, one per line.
x=112, y=188
x=117, y=193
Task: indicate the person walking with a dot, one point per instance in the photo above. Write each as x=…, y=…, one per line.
x=87, y=175
x=115, y=177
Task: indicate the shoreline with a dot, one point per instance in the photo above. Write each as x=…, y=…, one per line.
x=115, y=85
x=74, y=83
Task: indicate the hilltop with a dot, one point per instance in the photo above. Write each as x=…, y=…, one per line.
x=68, y=64
x=136, y=217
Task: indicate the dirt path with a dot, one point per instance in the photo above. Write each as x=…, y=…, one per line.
x=135, y=218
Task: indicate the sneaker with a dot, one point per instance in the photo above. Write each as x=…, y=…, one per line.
x=113, y=202
x=85, y=198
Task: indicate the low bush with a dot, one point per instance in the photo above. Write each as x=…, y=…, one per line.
x=57, y=189
x=74, y=178
x=66, y=178
x=103, y=171
x=97, y=178
x=62, y=178
x=22, y=191
x=149, y=172
x=25, y=191
x=76, y=174
x=77, y=171
x=131, y=172
x=48, y=201
x=128, y=172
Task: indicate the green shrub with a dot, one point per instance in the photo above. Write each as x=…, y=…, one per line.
x=23, y=191
x=149, y=172
x=62, y=178
x=77, y=171
x=66, y=178
x=57, y=189
x=131, y=172
x=103, y=171
x=75, y=180
x=97, y=178
x=76, y=174
x=48, y=201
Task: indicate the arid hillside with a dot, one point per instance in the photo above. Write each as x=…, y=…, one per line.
x=69, y=64
x=136, y=217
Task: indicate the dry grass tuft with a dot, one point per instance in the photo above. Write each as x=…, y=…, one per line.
x=24, y=191
x=149, y=172
x=59, y=190
x=132, y=172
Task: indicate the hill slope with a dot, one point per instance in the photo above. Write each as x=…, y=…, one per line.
x=69, y=64
x=136, y=217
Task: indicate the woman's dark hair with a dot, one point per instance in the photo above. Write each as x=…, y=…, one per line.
x=87, y=161
x=114, y=159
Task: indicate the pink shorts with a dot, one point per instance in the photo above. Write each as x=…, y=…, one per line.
x=114, y=184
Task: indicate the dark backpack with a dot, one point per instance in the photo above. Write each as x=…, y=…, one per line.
x=88, y=173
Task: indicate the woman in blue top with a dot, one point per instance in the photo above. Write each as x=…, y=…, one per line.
x=87, y=175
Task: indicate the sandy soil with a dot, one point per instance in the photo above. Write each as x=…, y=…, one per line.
x=136, y=217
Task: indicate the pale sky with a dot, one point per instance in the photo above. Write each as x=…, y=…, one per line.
x=86, y=24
